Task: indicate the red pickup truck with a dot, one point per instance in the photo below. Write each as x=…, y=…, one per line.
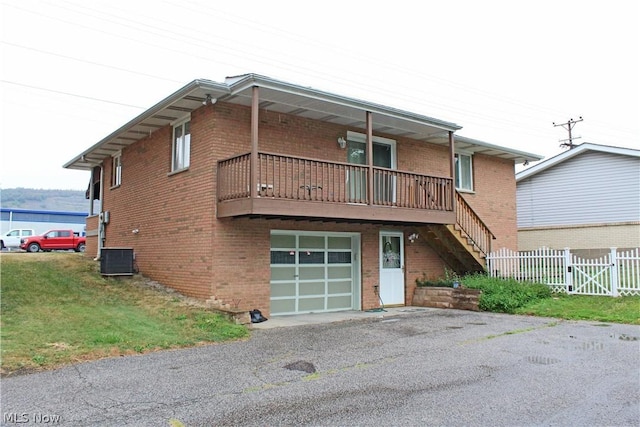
x=54, y=240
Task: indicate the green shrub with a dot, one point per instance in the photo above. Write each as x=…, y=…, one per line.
x=498, y=295
x=445, y=282
x=505, y=295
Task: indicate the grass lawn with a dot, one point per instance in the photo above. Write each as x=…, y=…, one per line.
x=586, y=307
x=57, y=309
x=510, y=296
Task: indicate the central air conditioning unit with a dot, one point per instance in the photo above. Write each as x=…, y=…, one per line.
x=116, y=261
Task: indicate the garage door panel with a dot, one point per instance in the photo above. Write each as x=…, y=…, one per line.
x=340, y=302
x=311, y=257
x=311, y=273
x=310, y=242
x=283, y=290
x=311, y=304
x=283, y=306
x=339, y=242
x=283, y=241
x=343, y=272
x=283, y=273
x=342, y=287
x=339, y=257
x=312, y=288
x=282, y=257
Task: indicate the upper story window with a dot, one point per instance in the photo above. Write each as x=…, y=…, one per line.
x=116, y=170
x=464, y=172
x=181, y=150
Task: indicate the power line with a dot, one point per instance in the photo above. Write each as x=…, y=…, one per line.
x=88, y=62
x=72, y=94
x=416, y=95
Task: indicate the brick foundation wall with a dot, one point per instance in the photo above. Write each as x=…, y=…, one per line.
x=243, y=272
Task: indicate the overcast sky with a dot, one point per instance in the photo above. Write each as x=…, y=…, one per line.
x=74, y=71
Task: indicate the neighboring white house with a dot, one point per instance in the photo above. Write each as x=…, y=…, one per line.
x=587, y=199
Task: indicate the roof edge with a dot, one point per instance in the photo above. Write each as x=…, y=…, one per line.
x=185, y=90
x=559, y=158
x=240, y=83
x=530, y=157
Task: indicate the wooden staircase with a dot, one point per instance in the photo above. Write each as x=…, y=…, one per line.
x=463, y=245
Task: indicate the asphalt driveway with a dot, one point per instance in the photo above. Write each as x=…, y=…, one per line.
x=425, y=367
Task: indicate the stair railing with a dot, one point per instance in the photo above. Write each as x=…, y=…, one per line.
x=472, y=226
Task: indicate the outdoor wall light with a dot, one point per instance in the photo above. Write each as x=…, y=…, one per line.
x=209, y=100
x=342, y=143
x=135, y=231
x=413, y=237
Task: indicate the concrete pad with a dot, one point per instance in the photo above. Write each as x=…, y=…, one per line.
x=336, y=316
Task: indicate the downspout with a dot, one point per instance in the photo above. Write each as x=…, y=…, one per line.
x=101, y=231
x=452, y=170
x=370, y=187
x=91, y=193
x=253, y=179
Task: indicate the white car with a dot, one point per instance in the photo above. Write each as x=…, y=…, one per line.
x=11, y=240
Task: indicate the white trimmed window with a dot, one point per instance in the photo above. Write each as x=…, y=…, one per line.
x=181, y=150
x=464, y=171
x=116, y=170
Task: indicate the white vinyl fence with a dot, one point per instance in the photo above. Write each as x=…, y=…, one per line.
x=617, y=273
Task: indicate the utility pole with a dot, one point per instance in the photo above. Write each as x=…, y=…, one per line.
x=568, y=126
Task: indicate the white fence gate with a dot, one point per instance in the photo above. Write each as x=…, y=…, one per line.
x=617, y=273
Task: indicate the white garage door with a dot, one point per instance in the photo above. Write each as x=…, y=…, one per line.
x=314, y=272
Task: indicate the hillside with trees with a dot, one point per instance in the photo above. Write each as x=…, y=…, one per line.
x=46, y=200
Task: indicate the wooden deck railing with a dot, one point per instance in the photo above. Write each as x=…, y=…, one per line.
x=472, y=226
x=301, y=179
x=295, y=178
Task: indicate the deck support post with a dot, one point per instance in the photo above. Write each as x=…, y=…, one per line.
x=370, y=187
x=253, y=167
x=452, y=170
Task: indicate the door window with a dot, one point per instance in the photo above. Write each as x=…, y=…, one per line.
x=390, y=252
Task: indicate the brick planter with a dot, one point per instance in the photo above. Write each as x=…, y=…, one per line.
x=458, y=298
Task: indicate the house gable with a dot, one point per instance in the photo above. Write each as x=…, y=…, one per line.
x=588, y=187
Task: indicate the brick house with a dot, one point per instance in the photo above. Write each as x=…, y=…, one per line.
x=258, y=193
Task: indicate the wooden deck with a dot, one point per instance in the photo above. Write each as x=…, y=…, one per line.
x=286, y=186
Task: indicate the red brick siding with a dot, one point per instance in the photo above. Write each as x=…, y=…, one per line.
x=173, y=213
x=91, y=248
x=182, y=244
x=420, y=157
x=242, y=259
x=494, y=199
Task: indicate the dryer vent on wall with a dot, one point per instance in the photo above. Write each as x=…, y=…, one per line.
x=116, y=261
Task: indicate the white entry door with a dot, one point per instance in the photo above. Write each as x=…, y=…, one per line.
x=391, y=268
